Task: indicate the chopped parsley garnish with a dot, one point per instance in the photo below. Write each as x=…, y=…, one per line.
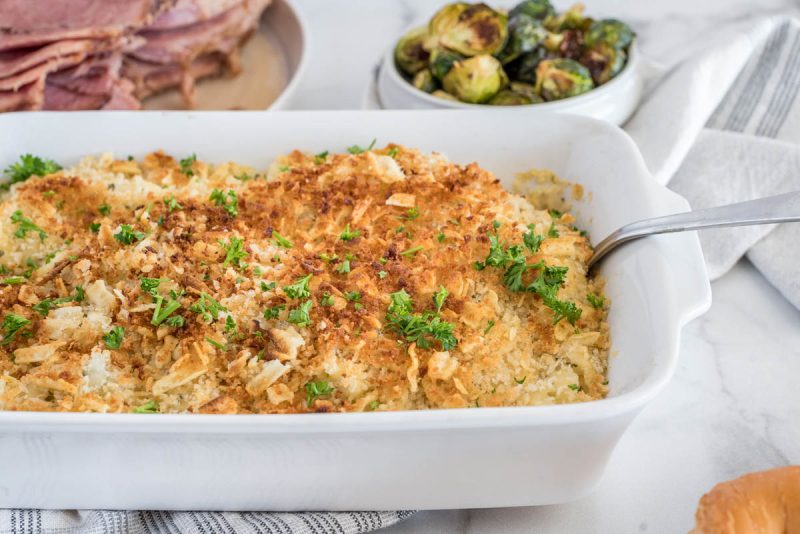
x=163, y=311
x=411, y=214
x=328, y=259
x=348, y=234
x=13, y=280
x=327, y=299
x=382, y=274
x=300, y=316
x=440, y=237
x=176, y=321
x=13, y=324
x=489, y=326
x=281, y=241
x=532, y=241
x=234, y=252
x=230, y=325
x=412, y=251
x=127, y=235
x=320, y=158
x=439, y=298
x=422, y=329
x=207, y=307
x=283, y=168
x=520, y=380
x=28, y=166
x=298, y=290
x=186, y=165
x=104, y=209
x=552, y=231
x=148, y=407
x=554, y=214
x=393, y=152
x=114, y=337
x=229, y=201
x=273, y=312
x=355, y=149
x=314, y=390
x=546, y=284
x=94, y=227
x=44, y=306
x=216, y=343
x=26, y=225
x=344, y=267
x=172, y=204
x=49, y=194
x=244, y=177
x=574, y=387
x=150, y=285
x=354, y=296
x=597, y=301
x=267, y=286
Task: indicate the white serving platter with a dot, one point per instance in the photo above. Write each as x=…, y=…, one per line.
x=462, y=458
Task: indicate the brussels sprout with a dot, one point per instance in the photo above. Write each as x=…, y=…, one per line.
x=561, y=78
x=424, y=81
x=571, y=19
x=476, y=80
x=441, y=62
x=603, y=61
x=410, y=53
x=524, y=34
x=568, y=43
x=609, y=31
x=470, y=29
x=444, y=95
x=523, y=68
x=506, y=97
x=527, y=90
x=538, y=9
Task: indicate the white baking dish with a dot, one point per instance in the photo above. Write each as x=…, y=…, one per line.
x=367, y=461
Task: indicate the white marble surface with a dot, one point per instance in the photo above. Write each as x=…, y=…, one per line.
x=734, y=404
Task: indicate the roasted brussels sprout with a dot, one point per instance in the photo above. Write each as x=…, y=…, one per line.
x=441, y=61
x=603, y=61
x=410, y=53
x=470, y=30
x=506, y=97
x=568, y=43
x=476, y=79
x=424, y=81
x=524, y=34
x=561, y=78
x=538, y=9
x=609, y=31
x=444, y=95
x=571, y=19
x=527, y=90
x=523, y=68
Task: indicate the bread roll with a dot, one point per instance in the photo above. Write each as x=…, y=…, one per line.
x=759, y=503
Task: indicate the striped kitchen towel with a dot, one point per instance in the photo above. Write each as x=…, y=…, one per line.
x=120, y=522
x=724, y=127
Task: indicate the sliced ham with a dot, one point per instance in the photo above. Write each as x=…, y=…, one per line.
x=151, y=78
x=60, y=99
x=16, y=81
x=122, y=97
x=13, y=62
x=40, y=15
x=25, y=98
x=186, y=12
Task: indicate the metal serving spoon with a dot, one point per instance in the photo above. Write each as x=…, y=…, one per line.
x=768, y=210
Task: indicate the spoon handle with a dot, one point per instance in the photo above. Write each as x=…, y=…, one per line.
x=768, y=210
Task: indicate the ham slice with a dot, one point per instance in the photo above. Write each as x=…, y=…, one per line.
x=16, y=81
x=60, y=99
x=182, y=45
x=25, y=98
x=16, y=61
x=186, y=12
x=38, y=15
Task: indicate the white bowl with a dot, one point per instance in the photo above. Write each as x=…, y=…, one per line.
x=461, y=458
x=287, y=22
x=613, y=101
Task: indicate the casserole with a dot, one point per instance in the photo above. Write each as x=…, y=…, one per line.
x=367, y=461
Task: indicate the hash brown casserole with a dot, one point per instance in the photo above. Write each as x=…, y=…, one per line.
x=382, y=279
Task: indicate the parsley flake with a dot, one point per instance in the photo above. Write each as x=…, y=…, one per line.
x=149, y=407
x=300, y=316
x=127, y=235
x=597, y=301
x=349, y=235
x=281, y=241
x=234, y=252
x=13, y=324
x=355, y=149
x=229, y=201
x=314, y=390
x=113, y=339
x=26, y=225
x=186, y=165
x=28, y=166
x=300, y=289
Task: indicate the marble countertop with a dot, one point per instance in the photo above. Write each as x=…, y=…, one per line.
x=733, y=405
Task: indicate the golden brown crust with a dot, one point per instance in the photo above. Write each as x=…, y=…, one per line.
x=767, y=502
x=419, y=223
